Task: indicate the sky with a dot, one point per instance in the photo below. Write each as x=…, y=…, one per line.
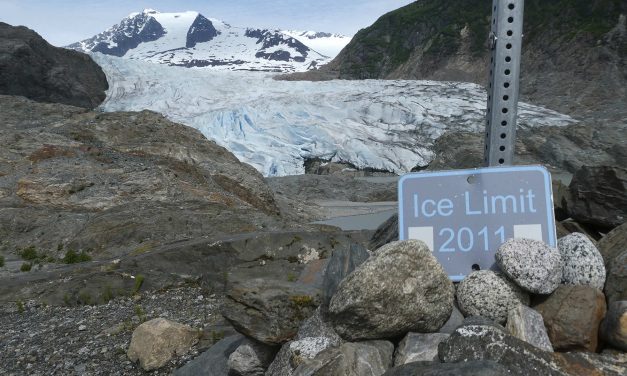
x=62, y=22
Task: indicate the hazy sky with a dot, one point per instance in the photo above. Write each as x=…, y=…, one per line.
x=63, y=22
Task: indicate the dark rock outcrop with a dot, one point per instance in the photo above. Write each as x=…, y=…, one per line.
x=202, y=30
x=599, y=196
x=31, y=67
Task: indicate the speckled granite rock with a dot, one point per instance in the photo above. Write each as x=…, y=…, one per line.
x=583, y=263
x=532, y=264
x=489, y=294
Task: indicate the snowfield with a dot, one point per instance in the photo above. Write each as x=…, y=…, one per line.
x=276, y=125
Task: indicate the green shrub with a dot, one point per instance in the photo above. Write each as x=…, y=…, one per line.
x=29, y=253
x=1, y=261
x=20, y=306
x=26, y=267
x=139, y=281
x=71, y=257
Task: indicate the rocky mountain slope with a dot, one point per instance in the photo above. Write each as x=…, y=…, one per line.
x=31, y=67
x=573, y=54
x=189, y=39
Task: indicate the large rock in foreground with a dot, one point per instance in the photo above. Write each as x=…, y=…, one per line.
x=155, y=342
x=32, y=68
x=572, y=315
x=532, y=264
x=489, y=294
x=401, y=288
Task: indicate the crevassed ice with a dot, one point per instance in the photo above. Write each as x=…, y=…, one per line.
x=276, y=125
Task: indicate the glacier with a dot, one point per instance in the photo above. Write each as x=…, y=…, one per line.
x=276, y=125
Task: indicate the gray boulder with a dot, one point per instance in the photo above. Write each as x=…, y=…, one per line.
x=418, y=347
x=599, y=196
x=213, y=362
x=489, y=294
x=157, y=341
x=532, y=264
x=527, y=324
x=370, y=358
x=614, y=326
x=251, y=358
x=401, y=288
x=583, y=263
x=473, y=368
x=342, y=262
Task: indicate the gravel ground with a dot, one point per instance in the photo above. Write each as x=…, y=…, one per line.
x=92, y=340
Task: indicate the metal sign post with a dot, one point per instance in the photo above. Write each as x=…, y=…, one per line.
x=506, y=44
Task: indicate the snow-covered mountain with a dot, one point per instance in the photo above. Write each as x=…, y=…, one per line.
x=189, y=39
x=276, y=125
x=327, y=44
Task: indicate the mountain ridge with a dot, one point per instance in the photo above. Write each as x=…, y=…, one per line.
x=190, y=39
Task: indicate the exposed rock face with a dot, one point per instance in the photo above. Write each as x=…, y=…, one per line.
x=614, y=326
x=342, y=263
x=155, y=342
x=129, y=34
x=269, y=311
x=418, y=347
x=400, y=288
x=119, y=182
x=572, y=315
x=583, y=264
x=599, y=196
x=32, y=68
x=447, y=41
x=202, y=30
x=590, y=142
x=532, y=264
x=489, y=294
x=386, y=233
x=527, y=324
x=370, y=358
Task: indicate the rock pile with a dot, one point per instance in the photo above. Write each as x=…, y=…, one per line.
x=368, y=301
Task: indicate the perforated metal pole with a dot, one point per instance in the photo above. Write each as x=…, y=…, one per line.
x=506, y=44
